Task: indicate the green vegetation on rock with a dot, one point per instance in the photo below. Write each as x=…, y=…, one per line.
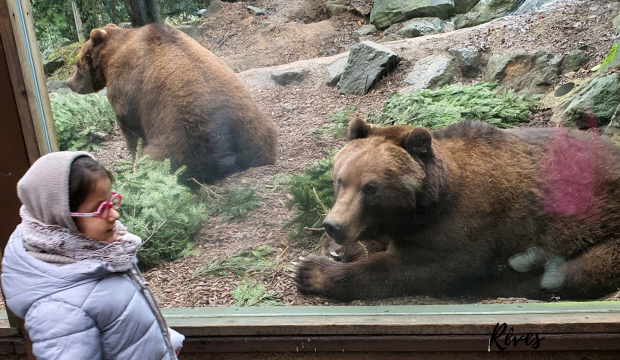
x=450, y=104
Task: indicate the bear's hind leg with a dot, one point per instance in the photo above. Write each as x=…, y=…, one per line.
x=594, y=273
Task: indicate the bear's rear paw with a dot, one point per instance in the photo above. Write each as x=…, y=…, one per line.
x=530, y=259
x=311, y=275
x=555, y=274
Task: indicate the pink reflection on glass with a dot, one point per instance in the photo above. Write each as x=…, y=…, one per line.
x=573, y=170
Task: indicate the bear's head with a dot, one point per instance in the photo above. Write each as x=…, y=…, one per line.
x=379, y=181
x=89, y=75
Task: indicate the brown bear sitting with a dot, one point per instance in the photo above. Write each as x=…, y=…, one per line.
x=445, y=212
x=178, y=97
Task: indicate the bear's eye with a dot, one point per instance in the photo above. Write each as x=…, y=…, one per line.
x=369, y=189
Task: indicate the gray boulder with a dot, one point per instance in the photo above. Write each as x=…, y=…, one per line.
x=574, y=61
x=613, y=129
x=256, y=11
x=367, y=63
x=387, y=12
x=595, y=104
x=335, y=70
x=214, y=7
x=616, y=22
x=193, y=31
x=463, y=6
x=469, y=61
x=53, y=64
x=431, y=72
x=362, y=7
x=421, y=27
x=527, y=73
x=531, y=5
x=485, y=11
x=288, y=76
x=365, y=30
x=335, y=8
x=57, y=86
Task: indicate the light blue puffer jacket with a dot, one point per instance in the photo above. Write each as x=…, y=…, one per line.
x=81, y=310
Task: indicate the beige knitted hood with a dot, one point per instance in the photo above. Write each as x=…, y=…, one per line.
x=44, y=189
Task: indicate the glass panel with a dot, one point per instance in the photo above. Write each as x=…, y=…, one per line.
x=280, y=152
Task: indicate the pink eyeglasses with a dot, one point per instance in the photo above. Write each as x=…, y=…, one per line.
x=104, y=208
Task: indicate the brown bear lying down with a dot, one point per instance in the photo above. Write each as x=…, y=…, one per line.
x=178, y=97
x=445, y=212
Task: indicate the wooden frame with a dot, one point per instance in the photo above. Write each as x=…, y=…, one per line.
x=588, y=330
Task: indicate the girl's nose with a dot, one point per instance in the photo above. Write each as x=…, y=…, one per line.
x=113, y=215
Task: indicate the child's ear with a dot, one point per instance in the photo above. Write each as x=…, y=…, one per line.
x=98, y=36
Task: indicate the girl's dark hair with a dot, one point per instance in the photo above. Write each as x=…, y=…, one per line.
x=84, y=171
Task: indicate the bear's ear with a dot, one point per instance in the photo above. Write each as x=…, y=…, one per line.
x=418, y=143
x=98, y=36
x=358, y=129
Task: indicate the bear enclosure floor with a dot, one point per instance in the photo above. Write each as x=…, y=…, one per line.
x=298, y=30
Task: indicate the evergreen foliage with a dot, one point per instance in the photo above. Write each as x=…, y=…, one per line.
x=241, y=263
x=311, y=195
x=450, y=104
x=248, y=294
x=157, y=208
x=81, y=121
x=232, y=203
x=339, y=122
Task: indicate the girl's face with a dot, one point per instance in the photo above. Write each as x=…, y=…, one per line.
x=94, y=227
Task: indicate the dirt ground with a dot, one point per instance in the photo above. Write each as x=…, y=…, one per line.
x=298, y=30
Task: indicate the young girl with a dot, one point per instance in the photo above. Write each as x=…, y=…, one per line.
x=69, y=268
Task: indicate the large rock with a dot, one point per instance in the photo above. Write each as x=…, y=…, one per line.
x=367, y=63
x=469, y=60
x=613, y=129
x=387, y=12
x=595, y=104
x=53, y=64
x=335, y=8
x=574, y=61
x=463, y=6
x=431, y=72
x=421, y=27
x=365, y=30
x=485, y=11
x=335, y=70
x=288, y=76
x=362, y=7
x=528, y=73
x=213, y=8
x=531, y=5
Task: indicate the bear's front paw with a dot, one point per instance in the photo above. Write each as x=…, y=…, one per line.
x=312, y=277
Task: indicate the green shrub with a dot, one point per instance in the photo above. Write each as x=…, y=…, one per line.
x=311, y=195
x=339, y=122
x=232, y=203
x=157, y=208
x=450, y=104
x=241, y=263
x=248, y=294
x=81, y=121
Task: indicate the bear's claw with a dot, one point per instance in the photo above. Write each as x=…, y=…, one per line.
x=311, y=277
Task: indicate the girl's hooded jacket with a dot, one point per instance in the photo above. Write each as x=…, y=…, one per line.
x=82, y=310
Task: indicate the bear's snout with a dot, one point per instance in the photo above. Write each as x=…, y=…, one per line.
x=334, y=230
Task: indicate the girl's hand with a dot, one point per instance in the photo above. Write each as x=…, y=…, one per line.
x=178, y=352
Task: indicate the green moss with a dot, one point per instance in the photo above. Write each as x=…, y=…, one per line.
x=611, y=55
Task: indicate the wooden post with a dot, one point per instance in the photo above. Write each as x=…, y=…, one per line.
x=30, y=77
x=78, y=22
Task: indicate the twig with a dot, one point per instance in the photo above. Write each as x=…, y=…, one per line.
x=207, y=189
x=153, y=233
x=313, y=229
x=319, y=200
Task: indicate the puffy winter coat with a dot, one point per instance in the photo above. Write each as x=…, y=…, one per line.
x=81, y=310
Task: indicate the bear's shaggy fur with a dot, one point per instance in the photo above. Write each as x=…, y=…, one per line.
x=177, y=96
x=442, y=212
